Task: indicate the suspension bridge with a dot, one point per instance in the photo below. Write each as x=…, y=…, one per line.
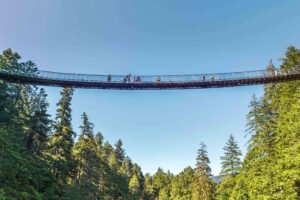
x=136, y=82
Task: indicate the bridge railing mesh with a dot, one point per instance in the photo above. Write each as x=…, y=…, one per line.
x=48, y=75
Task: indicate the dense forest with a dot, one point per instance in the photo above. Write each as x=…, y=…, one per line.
x=41, y=157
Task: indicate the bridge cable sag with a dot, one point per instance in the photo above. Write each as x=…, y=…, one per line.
x=130, y=82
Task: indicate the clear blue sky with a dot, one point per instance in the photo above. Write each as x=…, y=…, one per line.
x=158, y=128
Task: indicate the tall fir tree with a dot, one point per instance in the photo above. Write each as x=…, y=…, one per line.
x=99, y=140
x=37, y=127
x=87, y=160
x=8, y=92
x=107, y=151
x=24, y=174
x=62, y=140
x=271, y=166
x=286, y=156
x=231, y=161
x=231, y=164
x=119, y=153
x=253, y=119
x=203, y=186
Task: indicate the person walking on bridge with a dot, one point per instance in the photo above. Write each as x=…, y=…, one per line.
x=109, y=78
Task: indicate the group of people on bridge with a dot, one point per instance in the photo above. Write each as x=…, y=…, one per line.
x=127, y=79
x=212, y=77
x=136, y=79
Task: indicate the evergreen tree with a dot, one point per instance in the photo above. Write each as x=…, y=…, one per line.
x=240, y=190
x=161, y=182
x=260, y=154
x=99, y=141
x=23, y=173
x=37, y=123
x=8, y=92
x=181, y=185
x=119, y=181
x=202, y=186
x=286, y=156
x=87, y=161
x=271, y=166
x=202, y=165
x=92, y=169
x=8, y=111
x=136, y=183
x=107, y=151
x=231, y=164
x=119, y=153
x=61, y=141
x=118, y=186
x=149, y=189
x=135, y=187
x=253, y=117
x=126, y=167
x=225, y=188
x=231, y=161
x=113, y=162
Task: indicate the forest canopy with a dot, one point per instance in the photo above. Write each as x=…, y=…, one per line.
x=43, y=158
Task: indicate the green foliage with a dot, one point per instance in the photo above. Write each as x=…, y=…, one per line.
x=202, y=166
x=119, y=153
x=107, y=151
x=99, y=141
x=24, y=173
x=240, y=190
x=135, y=187
x=72, y=192
x=61, y=141
x=86, y=157
x=149, y=192
x=231, y=161
x=202, y=185
x=271, y=167
x=36, y=123
x=231, y=164
x=40, y=160
x=161, y=182
x=181, y=185
x=8, y=110
x=126, y=167
x=225, y=188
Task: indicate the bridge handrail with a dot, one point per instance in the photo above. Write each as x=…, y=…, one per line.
x=49, y=75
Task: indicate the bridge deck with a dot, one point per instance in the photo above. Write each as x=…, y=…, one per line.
x=151, y=82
